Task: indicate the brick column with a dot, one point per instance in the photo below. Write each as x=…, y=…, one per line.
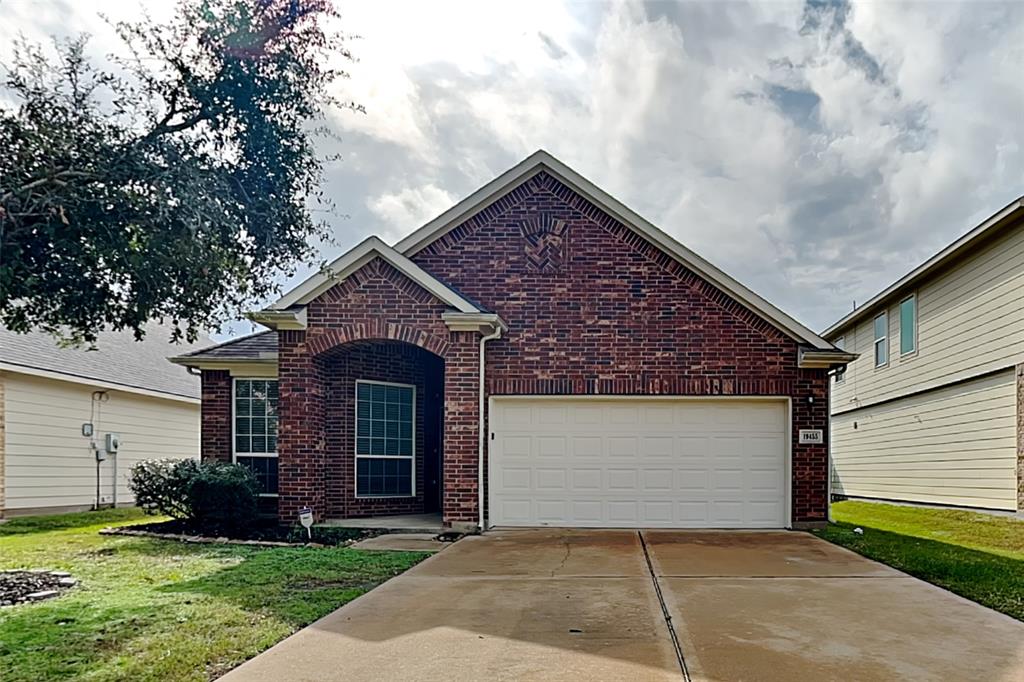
x=461, y=424
x=300, y=440
x=1020, y=437
x=215, y=432
x=810, y=471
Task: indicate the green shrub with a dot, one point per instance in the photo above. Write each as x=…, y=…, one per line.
x=211, y=495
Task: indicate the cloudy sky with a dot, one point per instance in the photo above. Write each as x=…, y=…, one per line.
x=814, y=150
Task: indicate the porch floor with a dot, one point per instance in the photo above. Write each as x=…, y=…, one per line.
x=404, y=523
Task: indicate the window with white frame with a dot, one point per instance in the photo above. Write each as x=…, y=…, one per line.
x=255, y=433
x=840, y=373
x=908, y=325
x=385, y=440
x=881, y=340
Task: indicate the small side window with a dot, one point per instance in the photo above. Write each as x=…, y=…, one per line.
x=881, y=340
x=908, y=325
x=840, y=373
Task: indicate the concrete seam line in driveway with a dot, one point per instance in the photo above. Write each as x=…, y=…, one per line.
x=664, y=610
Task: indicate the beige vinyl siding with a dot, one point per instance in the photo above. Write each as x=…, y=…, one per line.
x=952, y=446
x=970, y=321
x=48, y=463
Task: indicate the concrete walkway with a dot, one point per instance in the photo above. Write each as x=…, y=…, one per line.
x=657, y=605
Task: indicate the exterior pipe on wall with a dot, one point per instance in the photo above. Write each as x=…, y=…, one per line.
x=496, y=334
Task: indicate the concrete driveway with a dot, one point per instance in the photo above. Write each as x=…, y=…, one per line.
x=656, y=605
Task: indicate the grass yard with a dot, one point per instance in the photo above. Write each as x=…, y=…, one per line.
x=149, y=609
x=978, y=556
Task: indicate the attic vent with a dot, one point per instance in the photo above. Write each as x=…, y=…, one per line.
x=544, y=240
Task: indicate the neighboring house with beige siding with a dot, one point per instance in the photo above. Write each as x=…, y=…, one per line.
x=124, y=387
x=933, y=409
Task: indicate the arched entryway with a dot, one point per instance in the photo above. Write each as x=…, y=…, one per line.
x=382, y=428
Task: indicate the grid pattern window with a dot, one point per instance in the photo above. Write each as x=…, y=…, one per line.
x=908, y=325
x=881, y=340
x=255, y=411
x=385, y=447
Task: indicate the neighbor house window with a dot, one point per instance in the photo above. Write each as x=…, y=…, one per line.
x=881, y=339
x=908, y=325
x=385, y=445
x=840, y=373
x=255, y=444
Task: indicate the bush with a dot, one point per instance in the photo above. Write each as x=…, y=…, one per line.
x=212, y=495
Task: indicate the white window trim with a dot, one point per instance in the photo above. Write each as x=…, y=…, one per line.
x=884, y=339
x=234, y=454
x=355, y=444
x=903, y=300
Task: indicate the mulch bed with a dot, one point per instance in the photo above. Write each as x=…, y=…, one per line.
x=261, y=535
x=18, y=587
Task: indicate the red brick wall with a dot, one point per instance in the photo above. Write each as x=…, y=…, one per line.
x=598, y=310
x=376, y=303
x=593, y=309
x=215, y=429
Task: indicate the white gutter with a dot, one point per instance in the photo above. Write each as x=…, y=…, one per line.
x=496, y=334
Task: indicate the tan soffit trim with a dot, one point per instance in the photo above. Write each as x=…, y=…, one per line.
x=266, y=366
x=473, y=322
x=357, y=257
x=989, y=225
x=280, y=319
x=87, y=381
x=818, y=359
x=543, y=161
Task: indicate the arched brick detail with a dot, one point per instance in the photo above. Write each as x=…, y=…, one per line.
x=376, y=330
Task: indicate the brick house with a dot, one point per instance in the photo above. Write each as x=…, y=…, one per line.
x=537, y=355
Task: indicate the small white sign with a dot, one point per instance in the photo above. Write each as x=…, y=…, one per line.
x=812, y=436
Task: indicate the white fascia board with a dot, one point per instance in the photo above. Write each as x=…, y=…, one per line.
x=543, y=161
x=88, y=381
x=359, y=256
x=935, y=262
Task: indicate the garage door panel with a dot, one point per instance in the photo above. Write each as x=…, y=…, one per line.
x=642, y=464
x=587, y=446
x=622, y=480
x=584, y=480
x=551, y=479
x=514, y=479
x=661, y=446
x=658, y=480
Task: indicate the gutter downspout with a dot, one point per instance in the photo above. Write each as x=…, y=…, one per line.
x=496, y=334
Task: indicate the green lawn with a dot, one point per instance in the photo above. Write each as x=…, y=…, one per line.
x=978, y=556
x=150, y=609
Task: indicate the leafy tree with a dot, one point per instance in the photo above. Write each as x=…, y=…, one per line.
x=172, y=184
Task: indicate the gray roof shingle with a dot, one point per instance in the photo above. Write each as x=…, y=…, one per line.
x=252, y=347
x=118, y=359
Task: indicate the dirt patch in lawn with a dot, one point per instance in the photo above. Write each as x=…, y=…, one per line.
x=19, y=587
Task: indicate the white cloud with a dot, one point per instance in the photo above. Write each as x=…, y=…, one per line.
x=814, y=152
x=408, y=209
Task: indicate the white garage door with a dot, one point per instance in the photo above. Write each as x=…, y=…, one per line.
x=638, y=463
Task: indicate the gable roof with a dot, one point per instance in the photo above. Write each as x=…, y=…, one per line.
x=357, y=257
x=118, y=361
x=987, y=229
x=542, y=161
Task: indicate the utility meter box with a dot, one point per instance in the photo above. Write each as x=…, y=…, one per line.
x=113, y=443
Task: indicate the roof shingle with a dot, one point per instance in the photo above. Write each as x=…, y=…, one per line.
x=118, y=359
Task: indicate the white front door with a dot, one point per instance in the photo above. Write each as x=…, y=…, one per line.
x=638, y=463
